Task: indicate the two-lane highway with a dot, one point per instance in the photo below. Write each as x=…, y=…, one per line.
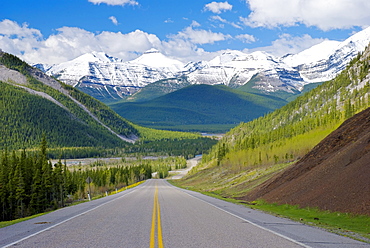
x=157, y=214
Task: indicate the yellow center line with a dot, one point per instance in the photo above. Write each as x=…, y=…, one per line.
x=156, y=218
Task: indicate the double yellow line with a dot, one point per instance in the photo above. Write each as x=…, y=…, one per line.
x=156, y=218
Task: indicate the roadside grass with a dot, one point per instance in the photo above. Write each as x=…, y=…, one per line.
x=231, y=183
x=345, y=224
x=12, y=222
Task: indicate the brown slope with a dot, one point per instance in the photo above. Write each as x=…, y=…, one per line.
x=334, y=176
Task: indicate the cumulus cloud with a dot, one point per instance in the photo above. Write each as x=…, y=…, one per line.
x=246, y=38
x=220, y=19
x=18, y=39
x=324, y=14
x=70, y=42
x=200, y=36
x=288, y=44
x=114, y=20
x=194, y=24
x=218, y=7
x=115, y=2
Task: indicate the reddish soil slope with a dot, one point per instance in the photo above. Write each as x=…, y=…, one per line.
x=334, y=176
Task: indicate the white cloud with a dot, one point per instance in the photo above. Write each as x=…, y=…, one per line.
x=220, y=19
x=324, y=14
x=71, y=42
x=200, y=36
x=194, y=24
x=169, y=20
x=287, y=44
x=115, y=2
x=246, y=38
x=114, y=20
x=18, y=39
x=218, y=7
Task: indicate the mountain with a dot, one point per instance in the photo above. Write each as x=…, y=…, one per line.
x=111, y=79
x=333, y=176
x=198, y=108
x=253, y=152
x=105, y=77
x=34, y=104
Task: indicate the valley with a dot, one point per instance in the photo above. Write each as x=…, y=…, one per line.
x=223, y=123
x=275, y=140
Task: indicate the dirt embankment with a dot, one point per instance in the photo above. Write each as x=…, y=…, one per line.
x=334, y=176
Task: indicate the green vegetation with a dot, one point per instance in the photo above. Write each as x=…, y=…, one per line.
x=354, y=226
x=283, y=136
x=104, y=113
x=345, y=224
x=71, y=131
x=25, y=117
x=198, y=106
x=12, y=222
x=288, y=133
x=227, y=181
x=31, y=184
x=157, y=89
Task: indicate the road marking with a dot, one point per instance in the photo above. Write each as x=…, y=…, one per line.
x=71, y=218
x=156, y=219
x=241, y=218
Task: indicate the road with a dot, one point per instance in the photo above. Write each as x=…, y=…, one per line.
x=157, y=214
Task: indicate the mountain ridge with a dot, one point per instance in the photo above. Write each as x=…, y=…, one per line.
x=197, y=106
x=332, y=176
x=119, y=79
x=17, y=74
x=253, y=152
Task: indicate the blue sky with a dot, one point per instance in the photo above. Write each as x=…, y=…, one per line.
x=54, y=31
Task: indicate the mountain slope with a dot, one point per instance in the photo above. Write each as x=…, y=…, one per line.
x=107, y=78
x=33, y=103
x=253, y=152
x=332, y=176
x=111, y=79
x=197, y=106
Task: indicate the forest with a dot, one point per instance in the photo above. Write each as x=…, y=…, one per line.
x=71, y=132
x=31, y=184
x=288, y=133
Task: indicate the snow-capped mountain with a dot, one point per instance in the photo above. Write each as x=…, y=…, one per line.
x=99, y=71
x=325, y=60
x=115, y=78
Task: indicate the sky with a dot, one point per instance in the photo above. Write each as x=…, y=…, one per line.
x=55, y=31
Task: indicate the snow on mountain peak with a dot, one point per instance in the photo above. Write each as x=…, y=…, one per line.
x=313, y=54
x=319, y=63
x=155, y=59
x=152, y=50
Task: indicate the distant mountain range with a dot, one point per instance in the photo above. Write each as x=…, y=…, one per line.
x=34, y=104
x=111, y=79
x=332, y=168
x=206, y=108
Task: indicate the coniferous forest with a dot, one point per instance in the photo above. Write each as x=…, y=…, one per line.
x=31, y=184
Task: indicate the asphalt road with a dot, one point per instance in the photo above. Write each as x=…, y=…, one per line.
x=156, y=214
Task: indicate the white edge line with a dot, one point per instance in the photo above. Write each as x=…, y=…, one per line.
x=50, y=227
x=250, y=222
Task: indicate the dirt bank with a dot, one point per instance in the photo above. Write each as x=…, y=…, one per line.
x=334, y=176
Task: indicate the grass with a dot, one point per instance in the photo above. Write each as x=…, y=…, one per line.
x=345, y=224
x=12, y=222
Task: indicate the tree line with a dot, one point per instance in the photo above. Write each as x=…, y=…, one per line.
x=31, y=184
x=291, y=131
